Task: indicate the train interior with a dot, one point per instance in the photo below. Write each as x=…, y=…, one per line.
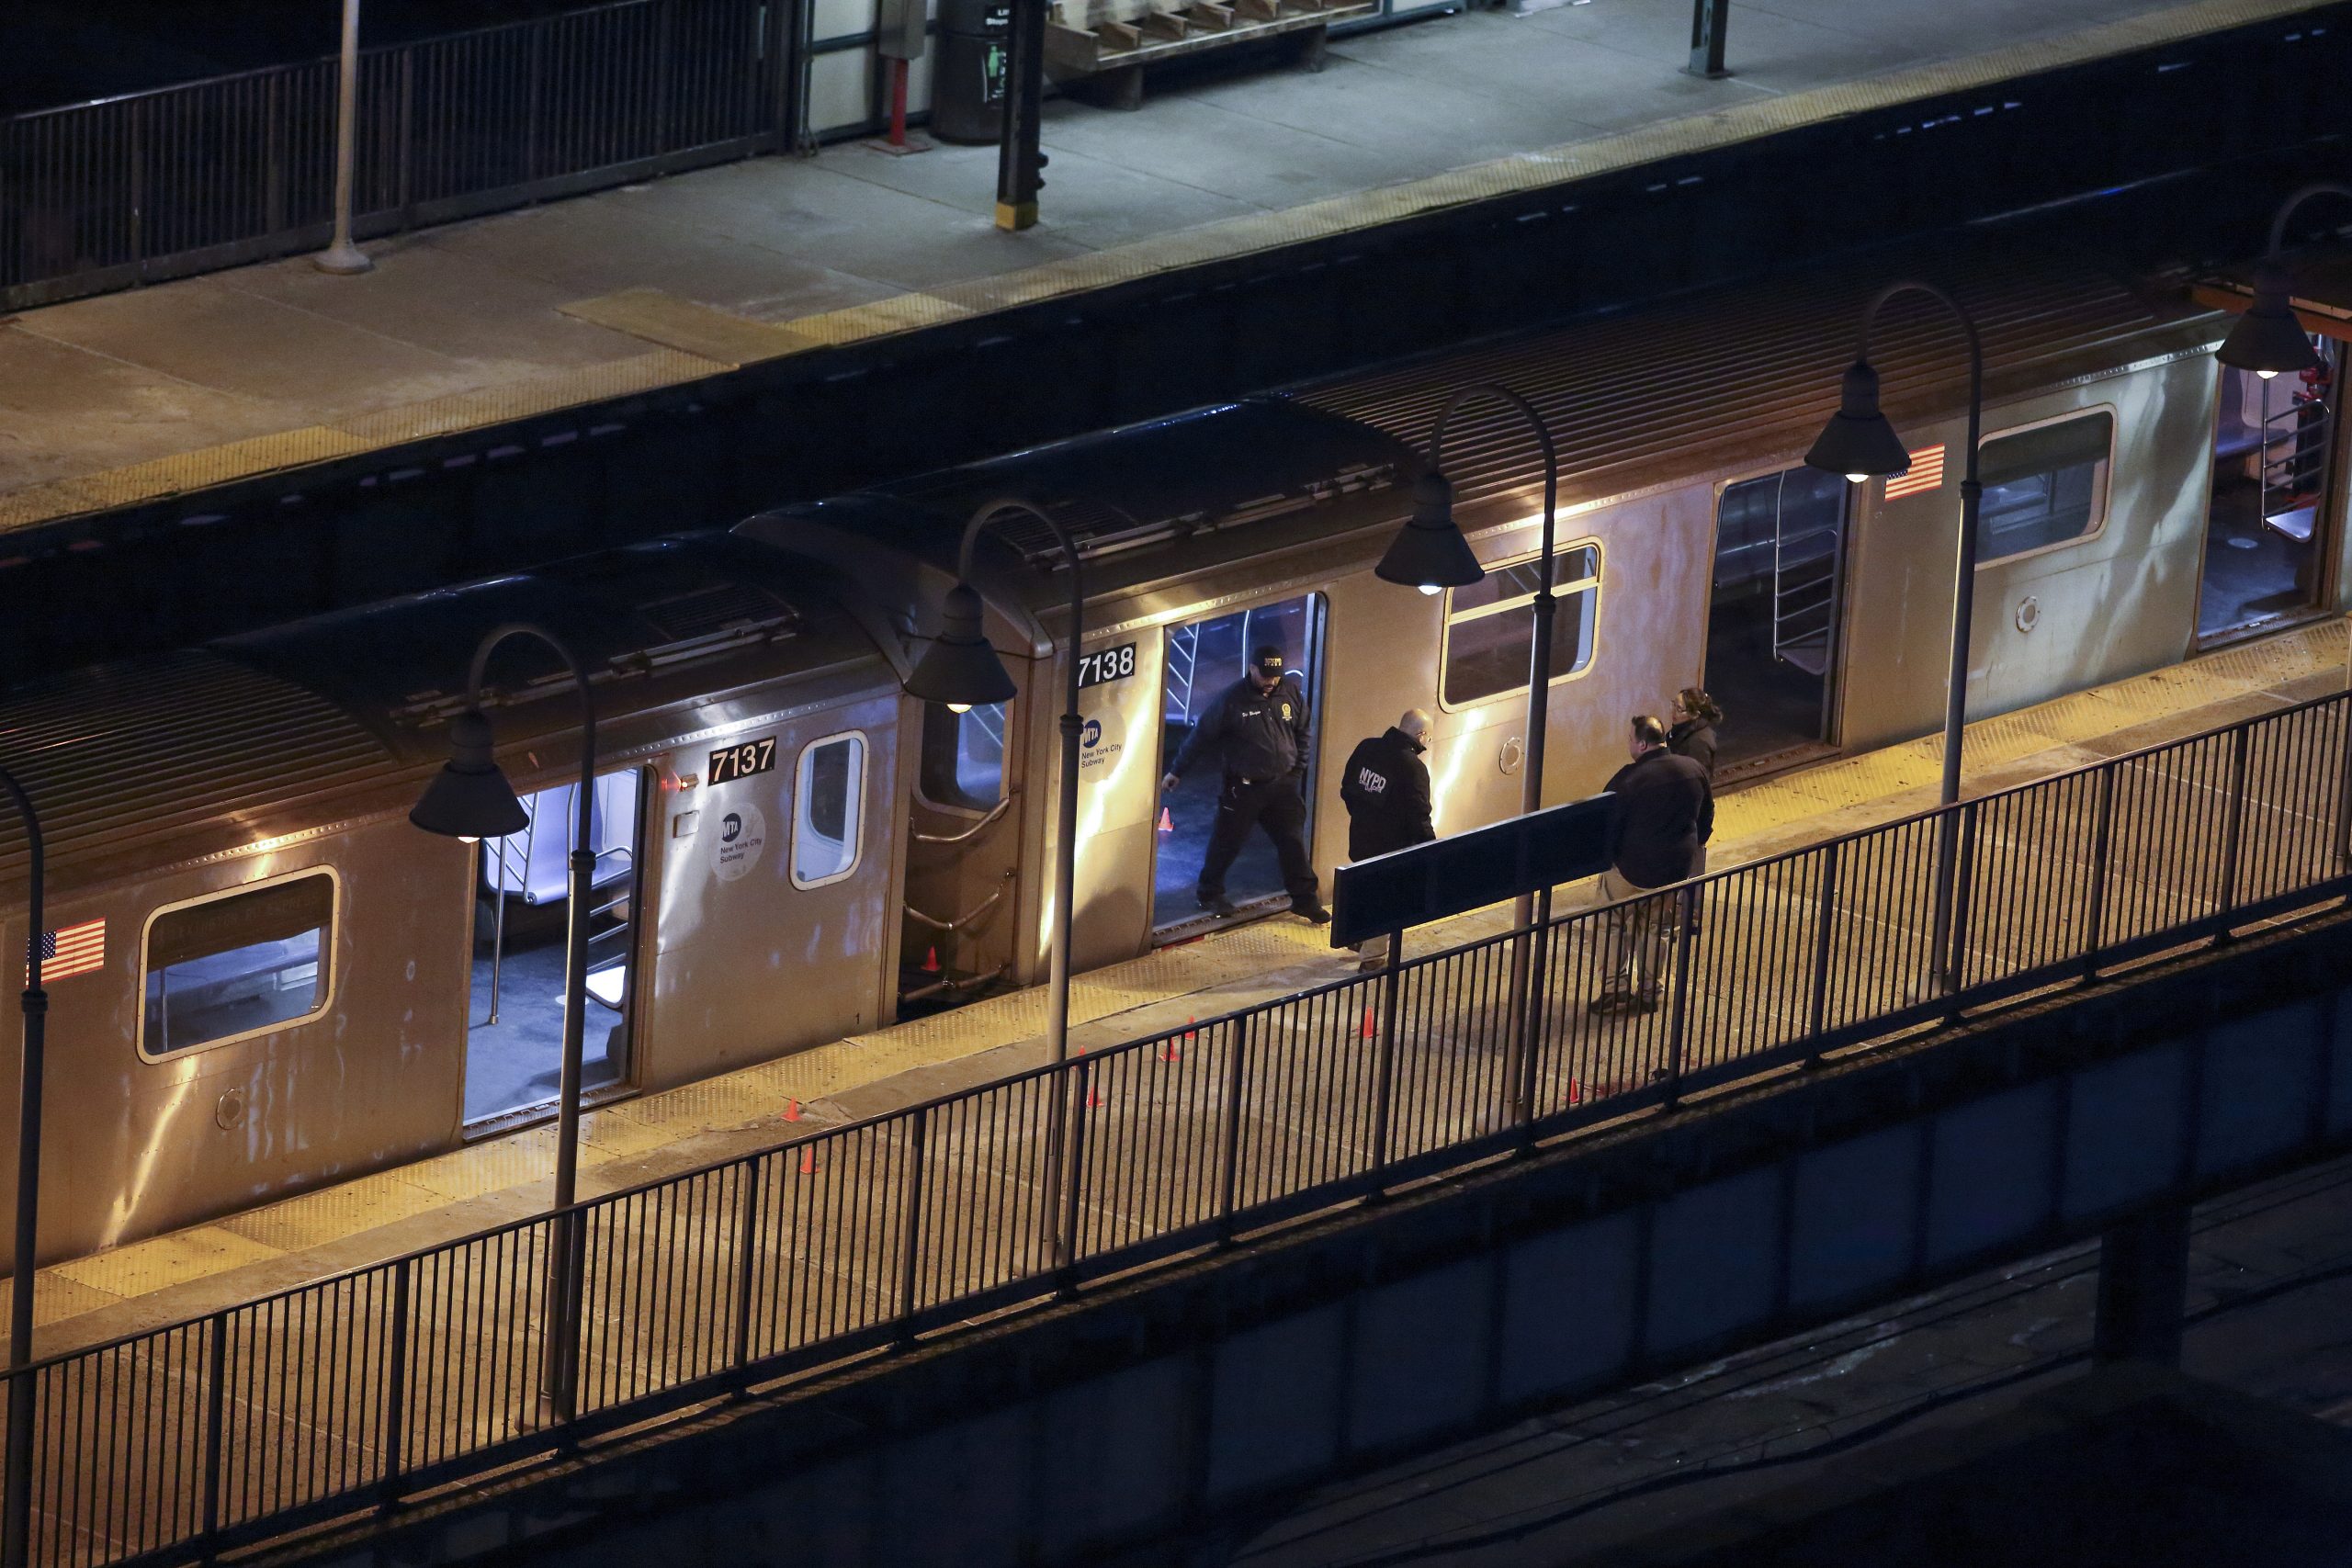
x=522, y=927
x=1772, y=617
x=1204, y=658
x=2271, y=441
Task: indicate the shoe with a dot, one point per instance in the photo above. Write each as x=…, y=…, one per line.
x=1311, y=910
x=1644, y=1001
x=1220, y=906
x=1610, y=1001
x=1371, y=965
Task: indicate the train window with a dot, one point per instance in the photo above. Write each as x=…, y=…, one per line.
x=237, y=963
x=829, y=802
x=2044, y=485
x=963, y=756
x=1490, y=628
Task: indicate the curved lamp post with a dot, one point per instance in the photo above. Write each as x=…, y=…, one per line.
x=470, y=800
x=2267, y=338
x=16, y=1529
x=341, y=256
x=1860, y=442
x=961, y=670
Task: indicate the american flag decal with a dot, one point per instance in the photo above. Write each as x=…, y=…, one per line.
x=73, y=950
x=1927, y=473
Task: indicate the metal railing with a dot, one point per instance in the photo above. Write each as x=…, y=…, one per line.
x=152, y=185
x=346, y=1392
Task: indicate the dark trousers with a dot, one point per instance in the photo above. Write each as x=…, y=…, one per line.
x=1274, y=805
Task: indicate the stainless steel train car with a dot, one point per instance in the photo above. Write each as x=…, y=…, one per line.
x=273, y=980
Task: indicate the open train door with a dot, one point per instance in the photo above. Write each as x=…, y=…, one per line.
x=963, y=856
x=1773, y=616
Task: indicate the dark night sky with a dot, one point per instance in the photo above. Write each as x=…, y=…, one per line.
x=63, y=50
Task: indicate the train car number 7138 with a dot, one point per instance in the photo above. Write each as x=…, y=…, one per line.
x=1108, y=664
x=752, y=757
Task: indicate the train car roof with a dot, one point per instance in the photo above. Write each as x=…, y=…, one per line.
x=1220, y=478
x=1748, y=372
x=149, y=763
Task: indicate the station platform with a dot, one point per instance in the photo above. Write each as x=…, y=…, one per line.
x=131, y=398
x=182, y=1275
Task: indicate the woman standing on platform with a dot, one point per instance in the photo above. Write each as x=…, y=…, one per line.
x=1693, y=736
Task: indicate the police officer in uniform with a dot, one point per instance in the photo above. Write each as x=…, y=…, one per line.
x=1256, y=730
x=1386, y=791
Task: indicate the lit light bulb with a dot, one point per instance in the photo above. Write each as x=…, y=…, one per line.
x=1858, y=479
x=468, y=839
x=2266, y=375
x=959, y=707
x=1431, y=590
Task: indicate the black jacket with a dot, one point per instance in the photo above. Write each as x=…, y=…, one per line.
x=1694, y=738
x=1386, y=789
x=1665, y=811
x=1256, y=737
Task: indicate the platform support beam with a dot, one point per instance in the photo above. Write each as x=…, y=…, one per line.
x=2142, y=1286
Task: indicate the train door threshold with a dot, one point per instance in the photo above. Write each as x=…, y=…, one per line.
x=1195, y=927
x=542, y=1113
x=1749, y=770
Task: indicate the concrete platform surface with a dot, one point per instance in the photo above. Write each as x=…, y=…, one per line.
x=131, y=397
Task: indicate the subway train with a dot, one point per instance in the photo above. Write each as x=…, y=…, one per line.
x=268, y=979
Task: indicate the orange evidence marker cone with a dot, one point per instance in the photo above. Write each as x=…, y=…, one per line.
x=1367, y=1021
x=792, y=1111
x=1171, y=1054
x=931, y=961
x=1167, y=823
x=808, y=1160
x=1576, y=1092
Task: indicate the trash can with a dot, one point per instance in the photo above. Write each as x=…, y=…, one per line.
x=967, y=79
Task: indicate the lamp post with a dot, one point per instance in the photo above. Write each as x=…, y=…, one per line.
x=962, y=670
x=1860, y=442
x=2268, y=339
x=341, y=256
x=15, y=1530
x=470, y=800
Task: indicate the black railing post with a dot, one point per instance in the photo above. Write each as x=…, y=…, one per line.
x=2241, y=741
x=1383, y=1078
x=1679, y=1026
x=1823, y=926
x=747, y=1269
x=387, y=1483
x=1229, y=1176
x=1954, y=956
x=1531, y=1042
x=911, y=1225
x=407, y=192
x=1074, y=1171
x=215, y=1400
x=2102, y=845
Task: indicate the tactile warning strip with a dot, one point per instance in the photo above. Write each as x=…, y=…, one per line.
x=703, y=342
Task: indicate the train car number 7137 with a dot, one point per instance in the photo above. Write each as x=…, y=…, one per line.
x=752, y=757
x=1109, y=665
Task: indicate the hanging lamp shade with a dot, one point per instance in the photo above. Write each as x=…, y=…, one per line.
x=1428, y=552
x=1857, y=442
x=470, y=798
x=960, y=669
x=2268, y=339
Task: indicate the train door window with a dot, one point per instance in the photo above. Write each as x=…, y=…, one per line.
x=829, y=809
x=1490, y=625
x=2267, y=529
x=1206, y=659
x=2045, y=486
x=1772, y=617
x=522, y=943
x=963, y=756
x=237, y=965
